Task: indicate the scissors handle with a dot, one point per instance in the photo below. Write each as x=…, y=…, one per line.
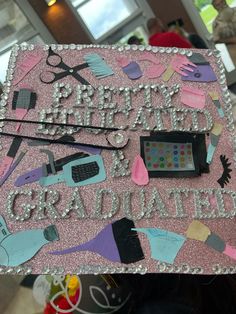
x=57, y=60
x=58, y=63
x=49, y=77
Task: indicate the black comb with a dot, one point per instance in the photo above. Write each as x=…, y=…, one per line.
x=84, y=171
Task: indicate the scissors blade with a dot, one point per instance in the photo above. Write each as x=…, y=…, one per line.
x=79, y=78
x=81, y=66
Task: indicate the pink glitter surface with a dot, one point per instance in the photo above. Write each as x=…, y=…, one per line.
x=73, y=231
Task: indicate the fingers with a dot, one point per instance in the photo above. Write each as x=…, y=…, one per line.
x=185, y=67
x=181, y=72
x=192, y=64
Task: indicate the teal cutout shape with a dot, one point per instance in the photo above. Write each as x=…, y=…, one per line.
x=67, y=174
x=164, y=244
x=17, y=248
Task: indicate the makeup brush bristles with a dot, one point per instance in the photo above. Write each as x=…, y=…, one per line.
x=127, y=241
x=97, y=65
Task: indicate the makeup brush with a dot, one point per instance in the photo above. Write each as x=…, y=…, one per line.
x=116, y=242
x=198, y=231
x=98, y=65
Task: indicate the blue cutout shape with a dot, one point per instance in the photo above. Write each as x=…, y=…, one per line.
x=164, y=244
x=210, y=153
x=4, y=232
x=18, y=248
x=221, y=112
x=80, y=172
x=97, y=65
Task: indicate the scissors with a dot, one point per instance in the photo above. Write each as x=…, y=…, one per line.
x=55, y=60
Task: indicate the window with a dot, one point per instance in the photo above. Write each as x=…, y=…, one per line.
x=208, y=15
x=14, y=28
x=207, y=11
x=4, y=57
x=102, y=16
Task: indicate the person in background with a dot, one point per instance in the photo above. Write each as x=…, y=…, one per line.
x=134, y=40
x=177, y=26
x=224, y=26
x=158, y=36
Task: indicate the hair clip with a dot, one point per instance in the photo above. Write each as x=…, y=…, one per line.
x=224, y=179
x=193, y=97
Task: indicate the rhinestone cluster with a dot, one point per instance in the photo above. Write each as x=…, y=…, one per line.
x=7, y=85
x=203, y=209
x=101, y=269
x=61, y=90
x=225, y=92
x=219, y=269
x=148, y=206
x=101, y=193
x=120, y=165
x=183, y=268
x=19, y=270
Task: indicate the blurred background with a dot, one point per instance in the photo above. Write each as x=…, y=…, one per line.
x=105, y=21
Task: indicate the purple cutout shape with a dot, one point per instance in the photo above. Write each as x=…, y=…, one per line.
x=202, y=73
x=133, y=70
x=12, y=168
x=103, y=243
x=30, y=177
x=90, y=150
